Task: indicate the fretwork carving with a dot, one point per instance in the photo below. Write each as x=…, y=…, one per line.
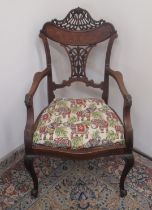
x=79, y=20
x=78, y=58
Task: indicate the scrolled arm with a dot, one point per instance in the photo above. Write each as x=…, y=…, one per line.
x=128, y=131
x=29, y=129
x=119, y=79
x=36, y=81
x=28, y=100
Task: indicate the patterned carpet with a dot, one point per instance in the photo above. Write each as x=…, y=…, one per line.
x=77, y=185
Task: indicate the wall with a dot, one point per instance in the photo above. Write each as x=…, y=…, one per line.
x=21, y=55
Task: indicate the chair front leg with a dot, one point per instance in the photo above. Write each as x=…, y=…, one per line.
x=28, y=162
x=129, y=162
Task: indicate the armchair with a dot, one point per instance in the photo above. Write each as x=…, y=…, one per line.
x=81, y=128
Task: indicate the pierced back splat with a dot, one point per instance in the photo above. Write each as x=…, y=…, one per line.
x=78, y=57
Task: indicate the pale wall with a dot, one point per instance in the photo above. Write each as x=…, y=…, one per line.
x=21, y=55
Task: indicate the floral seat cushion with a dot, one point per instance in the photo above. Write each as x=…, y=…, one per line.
x=79, y=123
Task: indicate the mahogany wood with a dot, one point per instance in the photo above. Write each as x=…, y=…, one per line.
x=77, y=38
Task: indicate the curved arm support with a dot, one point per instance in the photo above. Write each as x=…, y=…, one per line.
x=28, y=132
x=36, y=81
x=128, y=131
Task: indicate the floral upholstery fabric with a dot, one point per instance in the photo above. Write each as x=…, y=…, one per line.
x=78, y=123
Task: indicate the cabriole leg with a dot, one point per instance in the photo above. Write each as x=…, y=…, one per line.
x=28, y=162
x=129, y=162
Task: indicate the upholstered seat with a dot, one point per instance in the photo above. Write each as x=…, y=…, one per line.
x=79, y=123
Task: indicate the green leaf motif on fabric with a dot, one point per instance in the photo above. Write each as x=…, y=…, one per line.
x=96, y=114
x=61, y=103
x=96, y=134
x=77, y=141
x=72, y=120
x=61, y=132
x=75, y=109
x=112, y=122
x=36, y=137
x=111, y=135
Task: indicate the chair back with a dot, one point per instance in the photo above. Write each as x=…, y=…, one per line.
x=78, y=33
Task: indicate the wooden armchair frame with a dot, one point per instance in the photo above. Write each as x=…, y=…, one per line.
x=81, y=35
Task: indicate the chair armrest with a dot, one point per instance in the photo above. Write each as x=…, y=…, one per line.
x=119, y=79
x=36, y=81
x=128, y=131
x=29, y=128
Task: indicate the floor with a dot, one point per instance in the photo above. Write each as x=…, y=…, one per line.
x=77, y=185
